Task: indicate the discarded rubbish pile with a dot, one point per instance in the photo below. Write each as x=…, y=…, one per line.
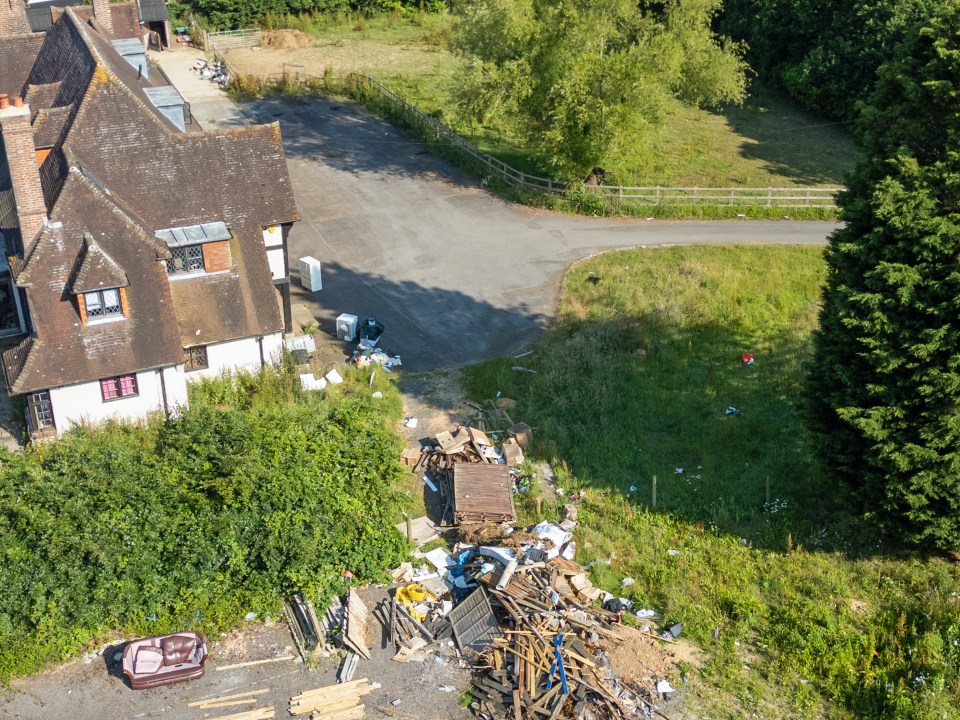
x=474, y=472
x=521, y=613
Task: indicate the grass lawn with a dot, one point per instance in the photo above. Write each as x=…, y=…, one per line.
x=769, y=142
x=799, y=613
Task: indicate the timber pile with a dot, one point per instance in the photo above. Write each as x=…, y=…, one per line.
x=245, y=698
x=550, y=662
x=333, y=702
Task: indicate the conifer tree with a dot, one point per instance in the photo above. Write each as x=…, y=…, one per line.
x=884, y=385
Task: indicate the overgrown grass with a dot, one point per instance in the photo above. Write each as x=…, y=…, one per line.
x=769, y=142
x=257, y=491
x=801, y=611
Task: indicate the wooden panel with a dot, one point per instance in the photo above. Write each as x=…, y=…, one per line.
x=482, y=492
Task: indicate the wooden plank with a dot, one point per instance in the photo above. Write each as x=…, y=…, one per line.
x=234, y=666
x=228, y=697
x=355, y=624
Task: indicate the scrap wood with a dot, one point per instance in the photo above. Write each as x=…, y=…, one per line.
x=234, y=666
x=355, y=625
x=199, y=703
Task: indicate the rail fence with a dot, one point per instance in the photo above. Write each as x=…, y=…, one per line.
x=368, y=91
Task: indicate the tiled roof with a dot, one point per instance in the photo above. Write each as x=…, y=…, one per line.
x=66, y=351
x=97, y=269
x=48, y=126
x=42, y=96
x=120, y=172
x=126, y=21
x=16, y=58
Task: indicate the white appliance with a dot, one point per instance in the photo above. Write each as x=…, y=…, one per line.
x=347, y=327
x=310, y=274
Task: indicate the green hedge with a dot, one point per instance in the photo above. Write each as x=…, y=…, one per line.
x=256, y=492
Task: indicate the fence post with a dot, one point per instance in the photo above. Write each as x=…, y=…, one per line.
x=657, y=204
x=769, y=197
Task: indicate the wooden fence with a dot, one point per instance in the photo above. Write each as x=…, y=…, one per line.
x=367, y=90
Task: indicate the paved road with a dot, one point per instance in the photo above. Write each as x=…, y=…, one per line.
x=455, y=274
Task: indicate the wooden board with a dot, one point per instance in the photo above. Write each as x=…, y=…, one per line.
x=482, y=492
x=355, y=625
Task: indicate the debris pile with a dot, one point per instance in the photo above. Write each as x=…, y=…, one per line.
x=485, y=494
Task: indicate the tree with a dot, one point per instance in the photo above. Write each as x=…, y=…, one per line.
x=884, y=388
x=586, y=79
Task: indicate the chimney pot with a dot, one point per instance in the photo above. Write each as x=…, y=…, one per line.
x=18, y=101
x=4, y=101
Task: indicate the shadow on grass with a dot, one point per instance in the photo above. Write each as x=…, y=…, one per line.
x=622, y=402
x=809, y=150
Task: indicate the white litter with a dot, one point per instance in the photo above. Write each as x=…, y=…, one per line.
x=439, y=559
x=646, y=613
x=309, y=382
x=627, y=582
x=673, y=553
x=410, y=422
x=429, y=483
x=333, y=377
x=664, y=687
x=378, y=394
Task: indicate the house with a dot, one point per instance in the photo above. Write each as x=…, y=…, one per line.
x=143, y=20
x=141, y=252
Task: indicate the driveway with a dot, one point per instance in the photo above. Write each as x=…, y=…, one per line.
x=455, y=273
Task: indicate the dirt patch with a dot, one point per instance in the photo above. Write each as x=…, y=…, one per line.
x=639, y=659
x=287, y=39
x=436, y=400
x=342, y=56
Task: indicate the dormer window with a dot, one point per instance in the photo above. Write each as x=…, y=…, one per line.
x=103, y=304
x=99, y=286
x=186, y=259
x=197, y=249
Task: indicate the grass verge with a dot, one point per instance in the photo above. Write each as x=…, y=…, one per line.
x=800, y=610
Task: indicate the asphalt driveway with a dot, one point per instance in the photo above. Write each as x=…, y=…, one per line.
x=456, y=274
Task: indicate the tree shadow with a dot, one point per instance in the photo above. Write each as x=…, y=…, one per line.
x=807, y=149
x=345, y=137
x=622, y=401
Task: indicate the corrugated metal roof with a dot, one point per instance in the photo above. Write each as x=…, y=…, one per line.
x=129, y=46
x=153, y=10
x=194, y=234
x=164, y=96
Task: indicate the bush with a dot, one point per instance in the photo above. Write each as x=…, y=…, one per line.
x=256, y=492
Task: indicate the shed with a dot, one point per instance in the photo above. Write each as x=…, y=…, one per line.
x=482, y=492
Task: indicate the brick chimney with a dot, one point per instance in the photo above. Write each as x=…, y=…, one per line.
x=13, y=18
x=22, y=160
x=101, y=11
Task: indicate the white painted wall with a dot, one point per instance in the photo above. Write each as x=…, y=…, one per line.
x=84, y=403
x=236, y=355
x=273, y=242
x=278, y=266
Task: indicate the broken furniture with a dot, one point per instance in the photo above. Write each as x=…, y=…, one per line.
x=164, y=660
